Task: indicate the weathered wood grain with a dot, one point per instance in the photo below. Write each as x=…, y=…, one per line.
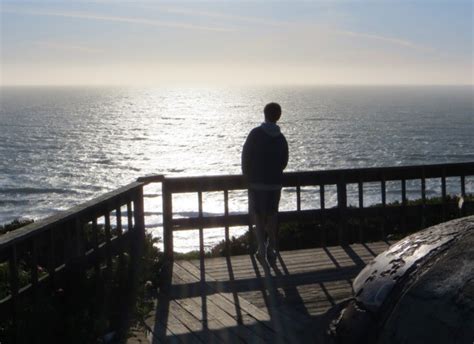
x=235, y=300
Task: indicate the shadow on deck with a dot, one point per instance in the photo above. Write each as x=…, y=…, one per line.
x=233, y=299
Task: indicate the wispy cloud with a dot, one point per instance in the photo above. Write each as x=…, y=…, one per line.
x=220, y=15
x=269, y=22
x=121, y=19
x=67, y=47
x=380, y=38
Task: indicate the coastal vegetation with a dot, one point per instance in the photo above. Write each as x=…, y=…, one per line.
x=90, y=307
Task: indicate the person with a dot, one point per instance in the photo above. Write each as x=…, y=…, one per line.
x=264, y=157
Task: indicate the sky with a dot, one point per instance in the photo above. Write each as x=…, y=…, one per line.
x=236, y=42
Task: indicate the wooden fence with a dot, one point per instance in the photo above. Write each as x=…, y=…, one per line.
x=321, y=179
x=80, y=239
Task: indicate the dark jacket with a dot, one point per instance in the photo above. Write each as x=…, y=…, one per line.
x=265, y=155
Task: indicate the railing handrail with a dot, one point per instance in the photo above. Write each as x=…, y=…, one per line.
x=105, y=202
x=302, y=178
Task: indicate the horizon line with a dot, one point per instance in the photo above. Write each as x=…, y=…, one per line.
x=234, y=85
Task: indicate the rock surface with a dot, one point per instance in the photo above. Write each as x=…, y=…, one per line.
x=421, y=290
x=438, y=307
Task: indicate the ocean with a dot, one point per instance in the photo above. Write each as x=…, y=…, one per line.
x=60, y=146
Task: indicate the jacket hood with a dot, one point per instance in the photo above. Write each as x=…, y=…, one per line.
x=271, y=129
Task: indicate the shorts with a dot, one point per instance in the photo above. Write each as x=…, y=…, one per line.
x=264, y=202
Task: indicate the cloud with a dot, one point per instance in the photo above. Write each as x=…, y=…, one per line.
x=68, y=47
x=392, y=40
x=220, y=15
x=256, y=20
x=122, y=19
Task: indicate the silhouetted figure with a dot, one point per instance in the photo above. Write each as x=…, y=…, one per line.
x=264, y=157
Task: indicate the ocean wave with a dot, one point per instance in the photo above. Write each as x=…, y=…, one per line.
x=149, y=213
x=29, y=191
x=152, y=195
x=14, y=202
x=193, y=214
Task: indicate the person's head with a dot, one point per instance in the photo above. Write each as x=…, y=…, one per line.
x=272, y=112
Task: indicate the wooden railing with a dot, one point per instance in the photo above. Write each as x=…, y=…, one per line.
x=86, y=237
x=321, y=179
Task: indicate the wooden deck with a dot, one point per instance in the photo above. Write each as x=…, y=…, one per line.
x=235, y=300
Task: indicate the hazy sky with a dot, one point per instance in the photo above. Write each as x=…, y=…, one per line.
x=237, y=42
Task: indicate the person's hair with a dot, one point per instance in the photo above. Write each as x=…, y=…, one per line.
x=272, y=112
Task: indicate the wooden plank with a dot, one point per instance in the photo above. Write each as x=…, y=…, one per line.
x=211, y=321
x=194, y=324
x=210, y=326
x=194, y=272
x=312, y=254
x=293, y=268
x=219, y=306
x=307, y=260
x=170, y=329
x=278, y=319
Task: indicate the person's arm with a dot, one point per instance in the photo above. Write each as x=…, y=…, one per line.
x=246, y=155
x=285, y=154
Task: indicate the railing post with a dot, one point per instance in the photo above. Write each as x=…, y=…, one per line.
x=404, y=206
x=167, y=218
x=361, y=206
x=14, y=287
x=423, y=198
x=383, y=187
x=342, y=206
x=201, y=229
x=463, y=195
x=226, y=214
x=322, y=206
x=139, y=221
x=443, y=194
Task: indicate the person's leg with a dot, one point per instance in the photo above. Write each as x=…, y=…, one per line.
x=272, y=225
x=255, y=203
x=260, y=233
x=272, y=232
